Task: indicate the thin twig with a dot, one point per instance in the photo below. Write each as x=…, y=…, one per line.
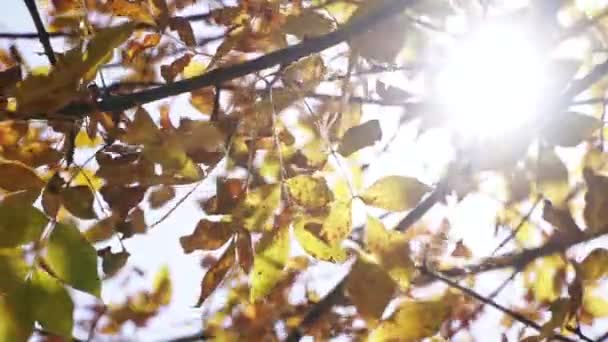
x=43, y=35
x=519, y=226
x=423, y=207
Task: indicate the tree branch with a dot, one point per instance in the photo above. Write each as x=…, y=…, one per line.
x=287, y=55
x=42, y=34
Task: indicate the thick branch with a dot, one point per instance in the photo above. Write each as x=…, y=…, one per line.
x=42, y=34
x=288, y=55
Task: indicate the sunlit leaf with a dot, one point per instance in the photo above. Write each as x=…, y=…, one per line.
x=170, y=71
x=162, y=289
x=206, y=236
x=78, y=200
x=72, y=258
x=52, y=305
x=338, y=223
x=359, y=137
x=15, y=176
x=542, y=277
x=305, y=74
x=308, y=191
x=255, y=210
x=268, y=262
x=216, y=274
x=392, y=251
x=366, y=275
x=20, y=224
x=596, y=306
x=395, y=193
x=307, y=231
x=413, y=321
x=135, y=10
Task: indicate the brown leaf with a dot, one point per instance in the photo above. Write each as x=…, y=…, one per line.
x=244, y=250
x=184, y=30
x=78, y=200
x=15, y=176
x=136, y=10
x=216, y=274
x=596, y=201
x=9, y=78
x=161, y=196
x=207, y=235
x=560, y=218
x=122, y=198
x=169, y=72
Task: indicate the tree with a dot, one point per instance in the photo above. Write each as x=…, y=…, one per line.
x=286, y=126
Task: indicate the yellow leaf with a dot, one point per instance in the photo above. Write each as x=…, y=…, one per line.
x=394, y=193
x=413, y=321
x=540, y=276
x=135, y=10
x=306, y=230
x=161, y=286
x=216, y=274
x=305, y=74
x=269, y=261
x=392, y=251
x=308, y=191
x=83, y=140
x=595, y=305
x=366, y=275
x=13, y=269
x=255, y=211
x=595, y=266
x=338, y=224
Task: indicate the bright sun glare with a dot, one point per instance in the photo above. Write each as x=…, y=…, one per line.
x=492, y=82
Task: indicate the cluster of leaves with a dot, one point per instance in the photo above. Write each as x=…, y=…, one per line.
x=288, y=164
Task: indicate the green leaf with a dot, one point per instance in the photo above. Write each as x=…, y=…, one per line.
x=15, y=176
x=51, y=304
x=13, y=270
x=413, y=321
x=308, y=191
x=256, y=209
x=394, y=193
x=73, y=259
x=338, y=224
x=392, y=251
x=20, y=224
x=359, y=137
x=78, y=200
x=216, y=273
x=366, y=275
x=16, y=321
x=268, y=262
x=306, y=230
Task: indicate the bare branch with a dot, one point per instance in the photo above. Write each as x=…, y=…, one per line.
x=42, y=34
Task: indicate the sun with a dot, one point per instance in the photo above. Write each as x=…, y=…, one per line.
x=491, y=82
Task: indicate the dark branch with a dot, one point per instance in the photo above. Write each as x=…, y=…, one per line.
x=42, y=34
x=423, y=207
x=223, y=75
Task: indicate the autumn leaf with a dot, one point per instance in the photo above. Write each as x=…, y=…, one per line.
x=78, y=200
x=338, y=223
x=207, y=235
x=365, y=275
x=392, y=251
x=307, y=24
x=595, y=201
x=184, y=30
x=15, y=176
x=52, y=305
x=595, y=266
x=216, y=274
x=160, y=196
x=135, y=10
x=308, y=191
x=255, y=210
x=307, y=232
x=268, y=262
x=413, y=320
x=16, y=321
x=111, y=263
x=244, y=250
x=305, y=74
x=358, y=137
x=72, y=258
x=394, y=193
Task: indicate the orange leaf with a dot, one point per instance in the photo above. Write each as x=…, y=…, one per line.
x=216, y=274
x=206, y=236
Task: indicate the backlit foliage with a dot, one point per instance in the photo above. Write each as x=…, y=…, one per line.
x=281, y=110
